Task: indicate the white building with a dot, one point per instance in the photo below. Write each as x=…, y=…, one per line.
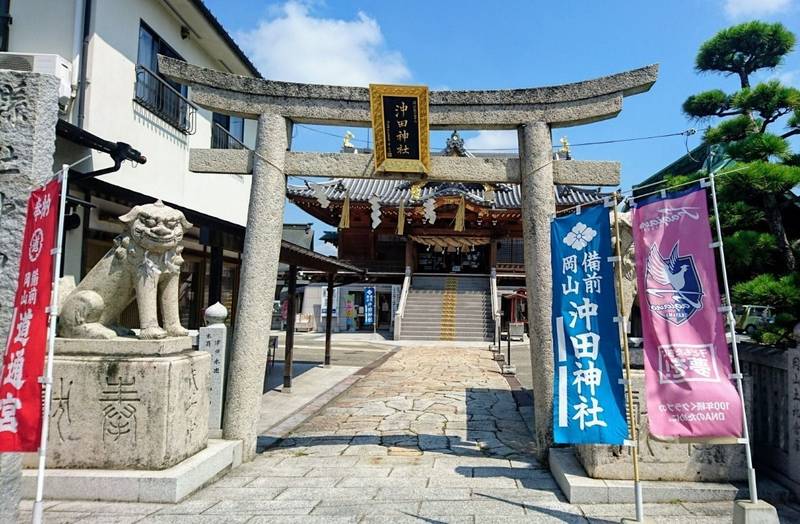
x=111, y=89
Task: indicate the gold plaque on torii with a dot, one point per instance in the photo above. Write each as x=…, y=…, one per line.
x=400, y=126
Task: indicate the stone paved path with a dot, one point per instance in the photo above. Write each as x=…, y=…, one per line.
x=431, y=435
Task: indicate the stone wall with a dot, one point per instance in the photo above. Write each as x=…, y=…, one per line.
x=776, y=422
x=28, y=115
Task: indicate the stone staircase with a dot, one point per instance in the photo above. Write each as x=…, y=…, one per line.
x=448, y=308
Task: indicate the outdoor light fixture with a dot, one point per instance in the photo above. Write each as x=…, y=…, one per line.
x=494, y=222
x=429, y=248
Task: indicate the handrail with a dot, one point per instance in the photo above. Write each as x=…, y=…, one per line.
x=401, y=306
x=496, y=310
x=157, y=95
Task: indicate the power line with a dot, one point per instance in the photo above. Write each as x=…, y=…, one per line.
x=686, y=133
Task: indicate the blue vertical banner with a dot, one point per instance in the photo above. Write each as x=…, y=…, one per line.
x=589, y=405
x=369, y=306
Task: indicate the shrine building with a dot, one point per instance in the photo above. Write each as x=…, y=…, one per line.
x=457, y=241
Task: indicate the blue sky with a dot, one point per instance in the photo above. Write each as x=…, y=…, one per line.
x=510, y=44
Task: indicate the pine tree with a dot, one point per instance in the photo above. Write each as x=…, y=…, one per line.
x=753, y=200
x=771, y=170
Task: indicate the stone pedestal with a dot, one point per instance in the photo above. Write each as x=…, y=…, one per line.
x=665, y=460
x=746, y=512
x=115, y=407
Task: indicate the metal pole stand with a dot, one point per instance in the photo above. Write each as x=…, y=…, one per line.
x=752, y=510
x=622, y=322
x=509, y=369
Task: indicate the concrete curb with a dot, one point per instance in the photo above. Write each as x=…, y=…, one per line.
x=169, y=485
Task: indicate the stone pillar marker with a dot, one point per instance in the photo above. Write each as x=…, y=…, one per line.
x=538, y=203
x=27, y=143
x=793, y=390
x=213, y=337
x=259, y=272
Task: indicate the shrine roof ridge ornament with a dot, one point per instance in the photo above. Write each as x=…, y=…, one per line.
x=559, y=105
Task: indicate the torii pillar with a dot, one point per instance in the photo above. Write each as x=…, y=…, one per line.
x=533, y=112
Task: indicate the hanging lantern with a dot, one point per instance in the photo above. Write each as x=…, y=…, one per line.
x=460, y=215
x=344, y=221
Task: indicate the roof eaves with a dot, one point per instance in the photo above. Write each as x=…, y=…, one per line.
x=208, y=15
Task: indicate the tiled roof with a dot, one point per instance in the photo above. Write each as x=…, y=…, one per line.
x=390, y=192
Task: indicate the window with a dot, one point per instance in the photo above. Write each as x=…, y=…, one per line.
x=165, y=98
x=5, y=22
x=222, y=140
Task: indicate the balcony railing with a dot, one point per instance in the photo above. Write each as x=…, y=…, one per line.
x=157, y=95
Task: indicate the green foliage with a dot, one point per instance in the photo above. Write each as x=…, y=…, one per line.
x=745, y=48
x=759, y=146
x=731, y=129
x=778, y=332
x=781, y=292
x=737, y=214
x=707, y=103
x=764, y=177
x=678, y=181
x=749, y=253
x=770, y=100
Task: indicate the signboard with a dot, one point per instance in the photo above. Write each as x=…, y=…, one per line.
x=687, y=362
x=23, y=364
x=396, y=289
x=369, y=306
x=212, y=339
x=589, y=404
x=324, y=309
x=400, y=126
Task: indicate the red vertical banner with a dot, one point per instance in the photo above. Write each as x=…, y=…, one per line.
x=23, y=363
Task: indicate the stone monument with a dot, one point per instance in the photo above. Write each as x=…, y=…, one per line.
x=129, y=402
x=28, y=116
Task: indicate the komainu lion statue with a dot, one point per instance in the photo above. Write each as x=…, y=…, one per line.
x=145, y=265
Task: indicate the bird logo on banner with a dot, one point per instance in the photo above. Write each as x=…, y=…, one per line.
x=674, y=291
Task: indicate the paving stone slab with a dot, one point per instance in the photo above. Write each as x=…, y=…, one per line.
x=470, y=507
x=294, y=482
x=337, y=508
x=263, y=507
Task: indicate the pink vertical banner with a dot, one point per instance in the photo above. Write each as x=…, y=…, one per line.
x=687, y=361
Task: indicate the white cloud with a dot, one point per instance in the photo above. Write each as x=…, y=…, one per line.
x=745, y=8
x=492, y=140
x=293, y=45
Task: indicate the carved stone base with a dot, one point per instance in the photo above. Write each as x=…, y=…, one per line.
x=665, y=460
x=128, y=412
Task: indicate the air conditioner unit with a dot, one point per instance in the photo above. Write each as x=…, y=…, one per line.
x=42, y=63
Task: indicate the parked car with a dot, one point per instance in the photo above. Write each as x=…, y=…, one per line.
x=750, y=318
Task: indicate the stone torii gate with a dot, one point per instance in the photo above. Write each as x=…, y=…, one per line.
x=277, y=105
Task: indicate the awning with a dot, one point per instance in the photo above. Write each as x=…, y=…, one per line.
x=301, y=257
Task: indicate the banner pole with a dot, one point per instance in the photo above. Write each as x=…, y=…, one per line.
x=38, y=507
x=751, y=472
x=623, y=321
